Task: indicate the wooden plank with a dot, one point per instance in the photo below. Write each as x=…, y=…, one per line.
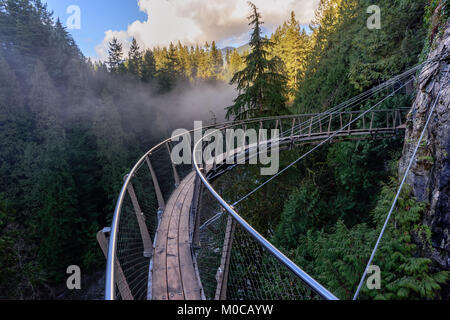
x=174, y=283
x=190, y=281
x=159, y=277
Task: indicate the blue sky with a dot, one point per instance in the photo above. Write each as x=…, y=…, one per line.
x=159, y=22
x=97, y=16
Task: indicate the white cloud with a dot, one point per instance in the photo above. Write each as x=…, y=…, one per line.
x=197, y=21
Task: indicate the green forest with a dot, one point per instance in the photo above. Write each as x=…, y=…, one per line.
x=71, y=128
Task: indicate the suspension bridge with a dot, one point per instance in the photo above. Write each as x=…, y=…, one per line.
x=174, y=237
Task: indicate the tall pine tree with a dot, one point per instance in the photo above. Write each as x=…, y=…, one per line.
x=115, y=58
x=261, y=86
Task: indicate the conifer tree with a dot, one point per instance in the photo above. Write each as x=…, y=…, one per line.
x=115, y=58
x=216, y=60
x=291, y=45
x=148, y=73
x=135, y=59
x=236, y=63
x=261, y=85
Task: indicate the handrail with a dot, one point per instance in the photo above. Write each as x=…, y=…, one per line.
x=312, y=283
x=112, y=247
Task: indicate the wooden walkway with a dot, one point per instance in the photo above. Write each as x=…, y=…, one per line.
x=174, y=276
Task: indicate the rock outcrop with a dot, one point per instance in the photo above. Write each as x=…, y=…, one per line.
x=430, y=173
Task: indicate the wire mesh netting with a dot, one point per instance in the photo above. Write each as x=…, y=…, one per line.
x=250, y=271
x=254, y=273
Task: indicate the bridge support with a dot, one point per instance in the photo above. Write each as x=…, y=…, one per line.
x=222, y=273
x=195, y=213
x=158, y=192
x=174, y=167
x=146, y=240
x=120, y=281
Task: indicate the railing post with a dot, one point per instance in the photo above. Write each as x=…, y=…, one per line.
x=146, y=241
x=198, y=185
x=174, y=167
x=261, y=127
x=387, y=119
x=310, y=126
x=394, y=116
x=292, y=130
x=120, y=281
x=350, y=124
x=329, y=124
x=222, y=273
x=320, y=124
x=159, y=194
x=371, y=122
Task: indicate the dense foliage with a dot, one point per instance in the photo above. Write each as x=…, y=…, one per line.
x=333, y=203
x=70, y=128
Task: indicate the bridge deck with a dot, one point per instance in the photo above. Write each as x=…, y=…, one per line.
x=173, y=273
x=174, y=276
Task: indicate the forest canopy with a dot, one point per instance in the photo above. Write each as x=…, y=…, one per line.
x=70, y=128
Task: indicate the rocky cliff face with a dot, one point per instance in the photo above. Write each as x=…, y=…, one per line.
x=430, y=174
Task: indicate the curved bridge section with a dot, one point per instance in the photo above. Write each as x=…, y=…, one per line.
x=157, y=249
x=173, y=236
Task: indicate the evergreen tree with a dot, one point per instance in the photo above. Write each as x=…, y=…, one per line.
x=135, y=59
x=216, y=60
x=261, y=86
x=291, y=45
x=236, y=63
x=148, y=73
x=115, y=57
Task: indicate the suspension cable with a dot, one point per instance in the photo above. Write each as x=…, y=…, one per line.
x=387, y=83
x=398, y=194
x=318, y=146
x=353, y=101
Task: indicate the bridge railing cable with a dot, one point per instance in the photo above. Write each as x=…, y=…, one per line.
x=151, y=181
x=247, y=273
x=400, y=188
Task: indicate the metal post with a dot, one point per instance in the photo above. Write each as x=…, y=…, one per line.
x=196, y=212
x=394, y=116
x=350, y=124
x=320, y=124
x=371, y=121
x=292, y=130
x=174, y=167
x=120, y=281
x=310, y=126
x=387, y=119
x=222, y=274
x=146, y=241
x=329, y=125
x=159, y=194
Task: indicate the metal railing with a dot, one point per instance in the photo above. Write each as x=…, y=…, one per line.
x=146, y=190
